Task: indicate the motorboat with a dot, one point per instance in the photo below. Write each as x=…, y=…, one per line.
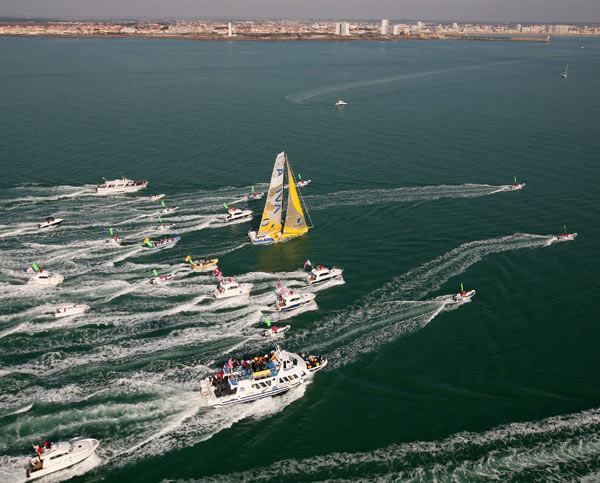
x=566, y=237
x=166, y=211
x=462, y=295
x=230, y=288
x=70, y=310
x=242, y=381
x=161, y=279
x=517, y=186
x=204, y=265
x=293, y=300
x=275, y=331
x=273, y=227
x=157, y=197
x=46, y=278
x=321, y=274
x=118, y=186
x=57, y=456
x=253, y=197
x=50, y=222
x=164, y=227
x=234, y=214
x=303, y=182
x=114, y=240
x=341, y=103
x=160, y=244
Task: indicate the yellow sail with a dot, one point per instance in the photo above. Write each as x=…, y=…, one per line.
x=295, y=224
x=271, y=219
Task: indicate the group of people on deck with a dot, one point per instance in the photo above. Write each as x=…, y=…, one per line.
x=43, y=447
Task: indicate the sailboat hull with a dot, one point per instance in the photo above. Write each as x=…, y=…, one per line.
x=270, y=239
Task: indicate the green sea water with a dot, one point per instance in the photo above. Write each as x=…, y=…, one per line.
x=409, y=195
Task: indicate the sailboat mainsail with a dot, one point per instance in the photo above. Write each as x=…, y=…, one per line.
x=271, y=229
x=271, y=219
x=295, y=224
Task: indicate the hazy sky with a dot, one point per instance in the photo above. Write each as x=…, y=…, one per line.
x=459, y=10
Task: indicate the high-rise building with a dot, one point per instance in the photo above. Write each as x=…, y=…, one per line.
x=385, y=24
x=338, y=28
x=345, y=28
x=230, y=33
x=396, y=30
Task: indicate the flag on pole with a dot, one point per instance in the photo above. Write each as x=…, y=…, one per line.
x=268, y=322
x=282, y=290
x=110, y=230
x=253, y=190
x=230, y=363
x=307, y=264
x=159, y=219
x=155, y=272
x=225, y=206
x=565, y=228
x=35, y=267
x=515, y=180
x=220, y=276
x=162, y=202
x=461, y=287
x=299, y=177
x=188, y=258
x=216, y=271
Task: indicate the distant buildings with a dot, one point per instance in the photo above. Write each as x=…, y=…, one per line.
x=385, y=25
x=342, y=28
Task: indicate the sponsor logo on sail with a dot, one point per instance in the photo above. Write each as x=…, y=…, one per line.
x=265, y=222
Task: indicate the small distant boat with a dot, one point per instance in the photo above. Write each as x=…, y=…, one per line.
x=166, y=211
x=120, y=186
x=254, y=196
x=45, y=278
x=70, y=310
x=157, y=197
x=275, y=331
x=272, y=228
x=565, y=74
x=293, y=300
x=463, y=295
x=164, y=227
x=160, y=244
x=302, y=182
x=58, y=456
x=341, y=103
x=115, y=240
x=50, y=221
x=234, y=214
x=230, y=288
x=517, y=186
x=321, y=274
x=566, y=236
x=204, y=265
x=161, y=279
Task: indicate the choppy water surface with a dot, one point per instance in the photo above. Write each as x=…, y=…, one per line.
x=410, y=195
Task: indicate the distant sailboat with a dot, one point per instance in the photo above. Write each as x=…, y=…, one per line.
x=271, y=230
x=564, y=74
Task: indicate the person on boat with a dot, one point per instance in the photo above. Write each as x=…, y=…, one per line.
x=463, y=293
x=274, y=329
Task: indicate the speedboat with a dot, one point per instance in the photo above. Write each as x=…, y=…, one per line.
x=242, y=381
x=70, y=310
x=120, y=186
x=293, y=300
x=160, y=244
x=275, y=331
x=161, y=279
x=115, y=240
x=303, y=182
x=53, y=457
x=46, y=278
x=204, y=265
x=320, y=274
x=164, y=227
x=566, y=237
x=157, y=197
x=517, y=186
x=230, y=288
x=462, y=295
x=253, y=197
x=237, y=214
x=341, y=103
x=166, y=211
x=50, y=221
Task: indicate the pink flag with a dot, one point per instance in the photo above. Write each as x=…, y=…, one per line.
x=220, y=276
x=282, y=290
x=229, y=363
x=216, y=271
x=307, y=263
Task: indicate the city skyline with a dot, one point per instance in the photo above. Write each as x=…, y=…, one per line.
x=533, y=11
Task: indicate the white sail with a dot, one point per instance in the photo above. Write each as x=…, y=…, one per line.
x=271, y=219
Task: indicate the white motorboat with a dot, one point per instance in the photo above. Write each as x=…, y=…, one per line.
x=462, y=295
x=516, y=186
x=115, y=240
x=60, y=455
x=166, y=211
x=230, y=288
x=321, y=274
x=566, y=237
x=293, y=300
x=234, y=214
x=254, y=197
x=275, y=331
x=341, y=103
x=157, y=197
x=46, y=278
x=161, y=279
x=120, y=186
x=272, y=227
x=50, y=222
x=70, y=310
x=302, y=183
x=265, y=376
x=164, y=227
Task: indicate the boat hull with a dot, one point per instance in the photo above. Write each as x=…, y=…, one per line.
x=242, y=290
x=121, y=189
x=569, y=237
x=164, y=245
x=271, y=239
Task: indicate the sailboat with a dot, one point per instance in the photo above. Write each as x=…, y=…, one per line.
x=564, y=74
x=271, y=230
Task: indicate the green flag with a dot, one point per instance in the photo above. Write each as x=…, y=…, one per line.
x=162, y=202
x=299, y=177
x=268, y=322
x=515, y=180
x=225, y=205
x=155, y=272
x=35, y=267
x=110, y=230
x=159, y=219
x=253, y=190
x=149, y=243
x=461, y=287
x=565, y=228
